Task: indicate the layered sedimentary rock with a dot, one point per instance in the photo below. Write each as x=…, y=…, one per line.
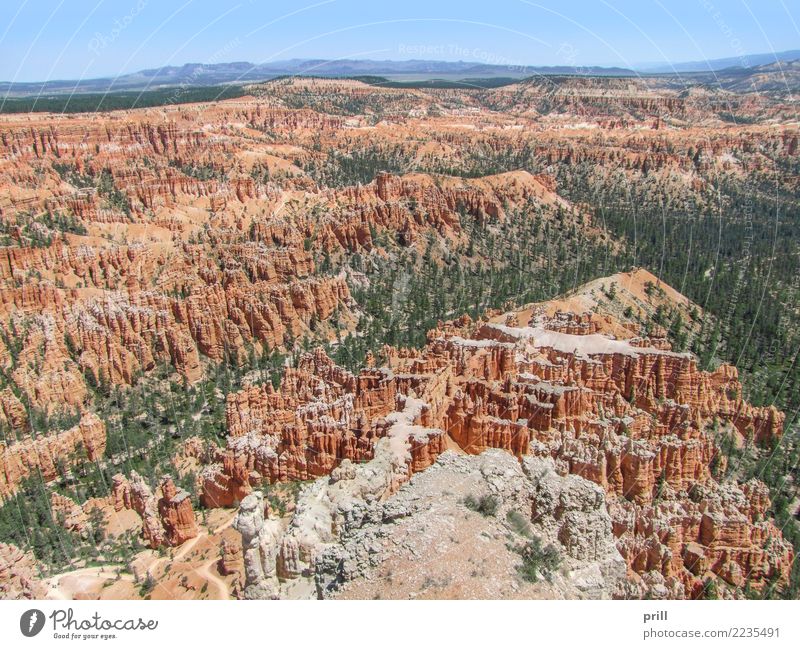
x=113, y=338
x=231, y=561
x=320, y=416
x=19, y=574
x=68, y=513
x=627, y=414
x=167, y=516
x=722, y=530
x=41, y=455
x=188, y=236
x=271, y=552
x=12, y=412
x=176, y=513
x=208, y=251
x=145, y=503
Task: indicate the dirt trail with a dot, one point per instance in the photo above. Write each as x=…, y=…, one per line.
x=65, y=585
x=205, y=569
x=222, y=587
x=184, y=549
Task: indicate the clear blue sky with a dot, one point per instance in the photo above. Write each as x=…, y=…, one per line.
x=70, y=39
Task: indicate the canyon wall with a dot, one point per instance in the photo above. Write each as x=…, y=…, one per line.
x=630, y=415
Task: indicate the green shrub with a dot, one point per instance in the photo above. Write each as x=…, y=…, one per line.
x=485, y=505
x=538, y=560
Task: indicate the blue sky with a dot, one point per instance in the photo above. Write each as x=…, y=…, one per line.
x=70, y=39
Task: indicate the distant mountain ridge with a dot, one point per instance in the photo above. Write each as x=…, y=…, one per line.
x=715, y=65
x=201, y=74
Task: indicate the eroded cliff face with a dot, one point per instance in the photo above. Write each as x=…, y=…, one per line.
x=131, y=245
x=168, y=518
x=19, y=574
x=78, y=338
x=628, y=414
x=191, y=271
x=187, y=236
x=42, y=455
x=176, y=235
x=320, y=415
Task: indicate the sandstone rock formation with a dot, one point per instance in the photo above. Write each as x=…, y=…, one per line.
x=12, y=412
x=68, y=513
x=320, y=415
x=170, y=268
x=185, y=237
x=18, y=574
x=41, y=455
x=231, y=561
x=176, y=513
x=627, y=414
x=167, y=516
